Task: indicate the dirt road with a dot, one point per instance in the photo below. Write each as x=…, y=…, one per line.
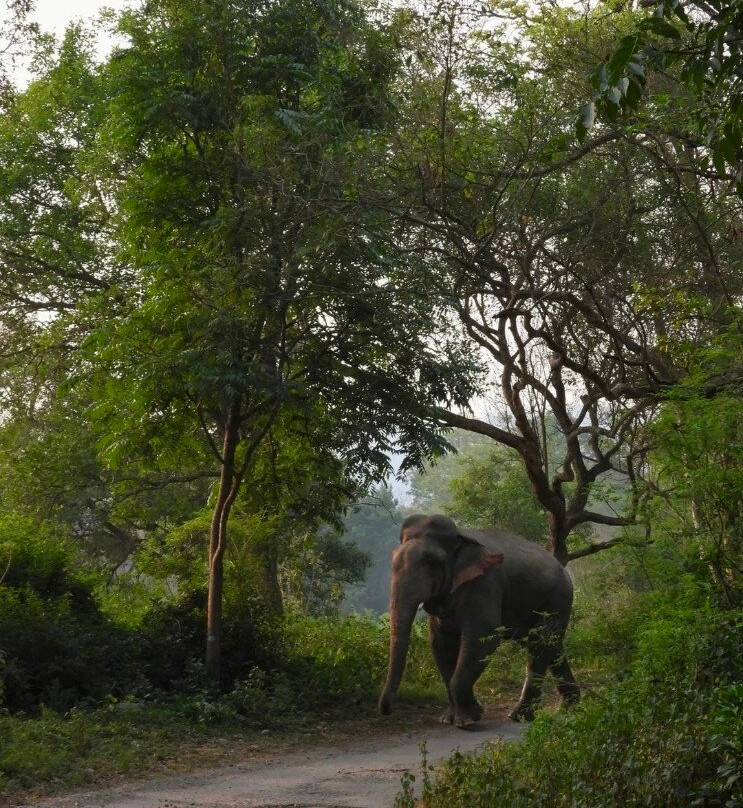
x=362, y=776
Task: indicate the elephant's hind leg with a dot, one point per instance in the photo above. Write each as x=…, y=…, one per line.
x=566, y=684
x=531, y=692
x=541, y=659
x=544, y=652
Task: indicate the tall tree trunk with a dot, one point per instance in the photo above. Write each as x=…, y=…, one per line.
x=265, y=552
x=228, y=484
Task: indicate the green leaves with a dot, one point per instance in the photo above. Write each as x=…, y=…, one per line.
x=622, y=56
x=663, y=733
x=710, y=69
x=618, y=86
x=659, y=25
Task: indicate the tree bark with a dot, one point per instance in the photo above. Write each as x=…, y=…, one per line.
x=557, y=532
x=226, y=494
x=265, y=552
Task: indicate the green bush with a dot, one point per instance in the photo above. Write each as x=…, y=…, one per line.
x=56, y=648
x=346, y=657
x=667, y=736
x=317, y=664
x=170, y=643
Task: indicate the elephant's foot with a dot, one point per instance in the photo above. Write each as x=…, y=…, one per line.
x=522, y=712
x=464, y=718
x=464, y=721
x=570, y=696
x=448, y=716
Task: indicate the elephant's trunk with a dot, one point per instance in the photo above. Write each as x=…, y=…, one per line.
x=401, y=621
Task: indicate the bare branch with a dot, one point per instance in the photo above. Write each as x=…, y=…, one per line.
x=481, y=427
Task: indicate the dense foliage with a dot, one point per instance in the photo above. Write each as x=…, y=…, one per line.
x=56, y=647
x=700, y=42
x=667, y=735
x=480, y=485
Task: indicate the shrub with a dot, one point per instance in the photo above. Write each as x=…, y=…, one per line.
x=668, y=735
x=346, y=657
x=59, y=649
x=318, y=664
x=56, y=648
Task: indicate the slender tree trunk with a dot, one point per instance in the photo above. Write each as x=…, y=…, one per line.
x=265, y=550
x=271, y=580
x=217, y=544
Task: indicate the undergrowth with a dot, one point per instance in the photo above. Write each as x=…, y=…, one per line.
x=331, y=671
x=670, y=735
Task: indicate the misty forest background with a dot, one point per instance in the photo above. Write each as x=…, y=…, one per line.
x=274, y=275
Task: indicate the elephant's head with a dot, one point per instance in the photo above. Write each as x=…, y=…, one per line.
x=433, y=561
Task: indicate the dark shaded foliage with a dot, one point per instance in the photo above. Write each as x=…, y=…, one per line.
x=56, y=647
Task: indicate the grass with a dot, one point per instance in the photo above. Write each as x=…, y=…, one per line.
x=51, y=753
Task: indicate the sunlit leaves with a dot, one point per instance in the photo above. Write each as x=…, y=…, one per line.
x=617, y=85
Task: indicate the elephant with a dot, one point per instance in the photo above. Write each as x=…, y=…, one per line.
x=478, y=588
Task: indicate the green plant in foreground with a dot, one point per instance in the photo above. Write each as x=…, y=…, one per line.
x=668, y=736
x=406, y=797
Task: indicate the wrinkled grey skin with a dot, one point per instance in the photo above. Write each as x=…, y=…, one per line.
x=478, y=588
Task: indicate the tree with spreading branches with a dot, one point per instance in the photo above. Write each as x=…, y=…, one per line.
x=263, y=296
x=569, y=265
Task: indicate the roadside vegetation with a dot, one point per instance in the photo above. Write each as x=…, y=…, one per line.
x=263, y=257
x=655, y=639
x=90, y=695
x=667, y=733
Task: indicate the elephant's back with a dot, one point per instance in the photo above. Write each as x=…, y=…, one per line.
x=529, y=572
x=514, y=547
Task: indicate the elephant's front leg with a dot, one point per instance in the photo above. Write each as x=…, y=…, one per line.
x=474, y=650
x=445, y=648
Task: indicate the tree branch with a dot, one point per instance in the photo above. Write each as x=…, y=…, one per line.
x=481, y=427
x=595, y=547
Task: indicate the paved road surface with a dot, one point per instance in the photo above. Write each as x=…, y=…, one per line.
x=364, y=776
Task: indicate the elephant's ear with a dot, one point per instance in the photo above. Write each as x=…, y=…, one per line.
x=472, y=561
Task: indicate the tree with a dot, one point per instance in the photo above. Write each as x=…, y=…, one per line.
x=554, y=256
x=481, y=485
x=243, y=136
x=56, y=259
x=298, y=490
x=373, y=525
x=17, y=33
x=55, y=248
x=494, y=492
x=699, y=463
x=319, y=570
x=430, y=487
